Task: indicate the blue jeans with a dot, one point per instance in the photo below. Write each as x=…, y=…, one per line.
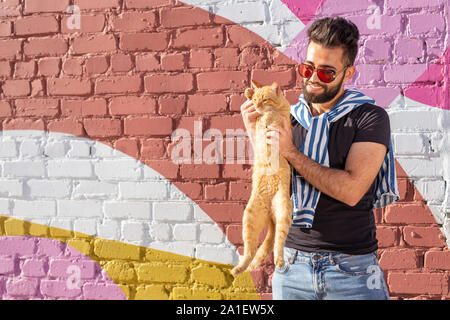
x=328, y=276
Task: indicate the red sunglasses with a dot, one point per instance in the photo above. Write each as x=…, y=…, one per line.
x=324, y=75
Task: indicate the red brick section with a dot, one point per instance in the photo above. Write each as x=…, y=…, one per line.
x=139, y=69
x=94, y=22
x=413, y=253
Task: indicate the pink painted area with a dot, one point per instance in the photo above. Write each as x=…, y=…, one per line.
x=40, y=268
x=402, y=60
x=432, y=86
x=305, y=10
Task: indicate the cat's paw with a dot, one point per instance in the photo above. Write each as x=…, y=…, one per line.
x=253, y=266
x=236, y=271
x=279, y=262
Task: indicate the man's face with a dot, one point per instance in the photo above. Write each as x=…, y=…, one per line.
x=314, y=90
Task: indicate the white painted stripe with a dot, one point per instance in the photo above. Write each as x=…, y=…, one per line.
x=272, y=20
x=432, y=162
x=104, y=193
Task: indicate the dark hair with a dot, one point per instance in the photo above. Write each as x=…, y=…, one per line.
x=336, y=32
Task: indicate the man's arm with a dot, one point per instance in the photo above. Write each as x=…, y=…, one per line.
x=363, y=163
x=349, y=185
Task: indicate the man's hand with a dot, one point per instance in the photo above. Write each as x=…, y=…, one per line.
x=282, y=136
x=249, y=116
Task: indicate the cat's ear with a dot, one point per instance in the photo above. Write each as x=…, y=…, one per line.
x=255, y=84
x=249, y=93
x=276, y=88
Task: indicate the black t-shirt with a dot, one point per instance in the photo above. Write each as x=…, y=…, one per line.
x=338, y=227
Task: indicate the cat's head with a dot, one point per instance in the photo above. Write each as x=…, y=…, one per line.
x=264, y=97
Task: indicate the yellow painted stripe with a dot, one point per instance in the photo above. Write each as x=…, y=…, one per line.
x=143, y=273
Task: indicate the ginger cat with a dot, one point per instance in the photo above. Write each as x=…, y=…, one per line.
x=269, y=204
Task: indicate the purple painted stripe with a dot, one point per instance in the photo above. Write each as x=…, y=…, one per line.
x=418, y=79
x=41, y=268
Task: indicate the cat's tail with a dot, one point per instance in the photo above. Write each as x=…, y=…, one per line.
x=252, y=225
x=265, y=248
x=252, y=261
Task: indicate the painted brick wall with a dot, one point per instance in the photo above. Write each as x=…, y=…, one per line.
x=92, y=203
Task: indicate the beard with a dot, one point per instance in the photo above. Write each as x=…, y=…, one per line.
x=328, y=94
